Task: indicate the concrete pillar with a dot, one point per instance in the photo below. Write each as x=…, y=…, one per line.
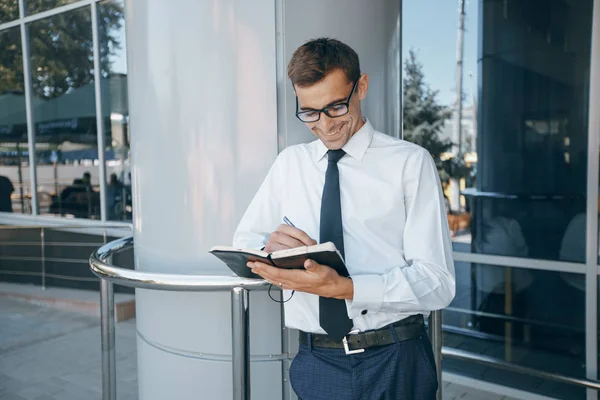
x=203, y=123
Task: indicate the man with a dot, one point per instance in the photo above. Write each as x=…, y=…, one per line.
x=87, y=180
x=6, y=190
x=379, y=200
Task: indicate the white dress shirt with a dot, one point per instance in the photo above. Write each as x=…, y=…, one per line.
x=396, y=238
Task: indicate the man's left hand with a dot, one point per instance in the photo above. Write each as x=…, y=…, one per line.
x=316, y=279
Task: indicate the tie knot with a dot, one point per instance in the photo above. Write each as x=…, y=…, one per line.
x=335, y=155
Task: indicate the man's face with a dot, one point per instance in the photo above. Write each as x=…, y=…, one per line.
x=333, y=89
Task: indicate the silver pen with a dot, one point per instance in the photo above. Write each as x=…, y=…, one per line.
x=287, y=221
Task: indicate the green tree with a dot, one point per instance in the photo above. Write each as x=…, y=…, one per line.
x=61, y=48
x=9, y=10
x=424, y=119
x=11, y=61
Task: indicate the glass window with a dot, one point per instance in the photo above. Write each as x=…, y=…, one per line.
x=115, y=109
x=514, y=168
x=514, y=314
x=65, y=114
x=9, y=10
x=36, y=6
x=15, y=193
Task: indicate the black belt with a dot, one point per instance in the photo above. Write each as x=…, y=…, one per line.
x=408, y=328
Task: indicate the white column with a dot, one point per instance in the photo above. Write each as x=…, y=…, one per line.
x=203, y=128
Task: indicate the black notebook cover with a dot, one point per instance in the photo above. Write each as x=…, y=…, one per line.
x=236, y=259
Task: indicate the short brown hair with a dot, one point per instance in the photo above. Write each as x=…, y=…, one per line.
x=316, y=58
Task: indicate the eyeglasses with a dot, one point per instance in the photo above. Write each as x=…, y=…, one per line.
x=332, y=111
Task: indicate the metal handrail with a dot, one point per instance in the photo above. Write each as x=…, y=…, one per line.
x=508, y=366
x=109, y=275
x=62, y=225
x=157, y=281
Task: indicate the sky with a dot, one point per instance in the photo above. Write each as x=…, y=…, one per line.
x=120, y=58
x=430, y=28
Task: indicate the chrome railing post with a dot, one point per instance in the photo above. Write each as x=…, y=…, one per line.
x=435, y=333
x=100, y=264
x=107, y=326
x=240, y=351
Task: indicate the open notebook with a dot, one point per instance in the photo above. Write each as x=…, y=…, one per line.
x=236, y=259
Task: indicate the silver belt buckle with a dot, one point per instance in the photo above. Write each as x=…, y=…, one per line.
x=345, y=341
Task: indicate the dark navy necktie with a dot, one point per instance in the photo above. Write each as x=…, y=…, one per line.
x=333, y=316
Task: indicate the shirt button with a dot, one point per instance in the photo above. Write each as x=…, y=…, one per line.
x=364, y=312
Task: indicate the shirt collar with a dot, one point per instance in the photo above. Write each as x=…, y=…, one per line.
x=356, y=147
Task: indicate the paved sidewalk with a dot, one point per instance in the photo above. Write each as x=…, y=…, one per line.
x=48, y=354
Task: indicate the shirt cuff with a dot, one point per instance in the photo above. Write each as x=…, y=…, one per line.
x=368, y=295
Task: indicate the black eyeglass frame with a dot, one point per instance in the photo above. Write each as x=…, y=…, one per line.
x=325, y=110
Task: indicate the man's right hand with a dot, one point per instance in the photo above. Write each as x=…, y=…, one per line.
x=288, y=237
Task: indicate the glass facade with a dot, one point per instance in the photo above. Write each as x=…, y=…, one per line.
x=518, y=179
x=503, y=106
x=69, y=180
x=36, y=6
x=111, y=25
x=533, y=76
x=64, y=112
x=531, y=318
x=15, y=183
